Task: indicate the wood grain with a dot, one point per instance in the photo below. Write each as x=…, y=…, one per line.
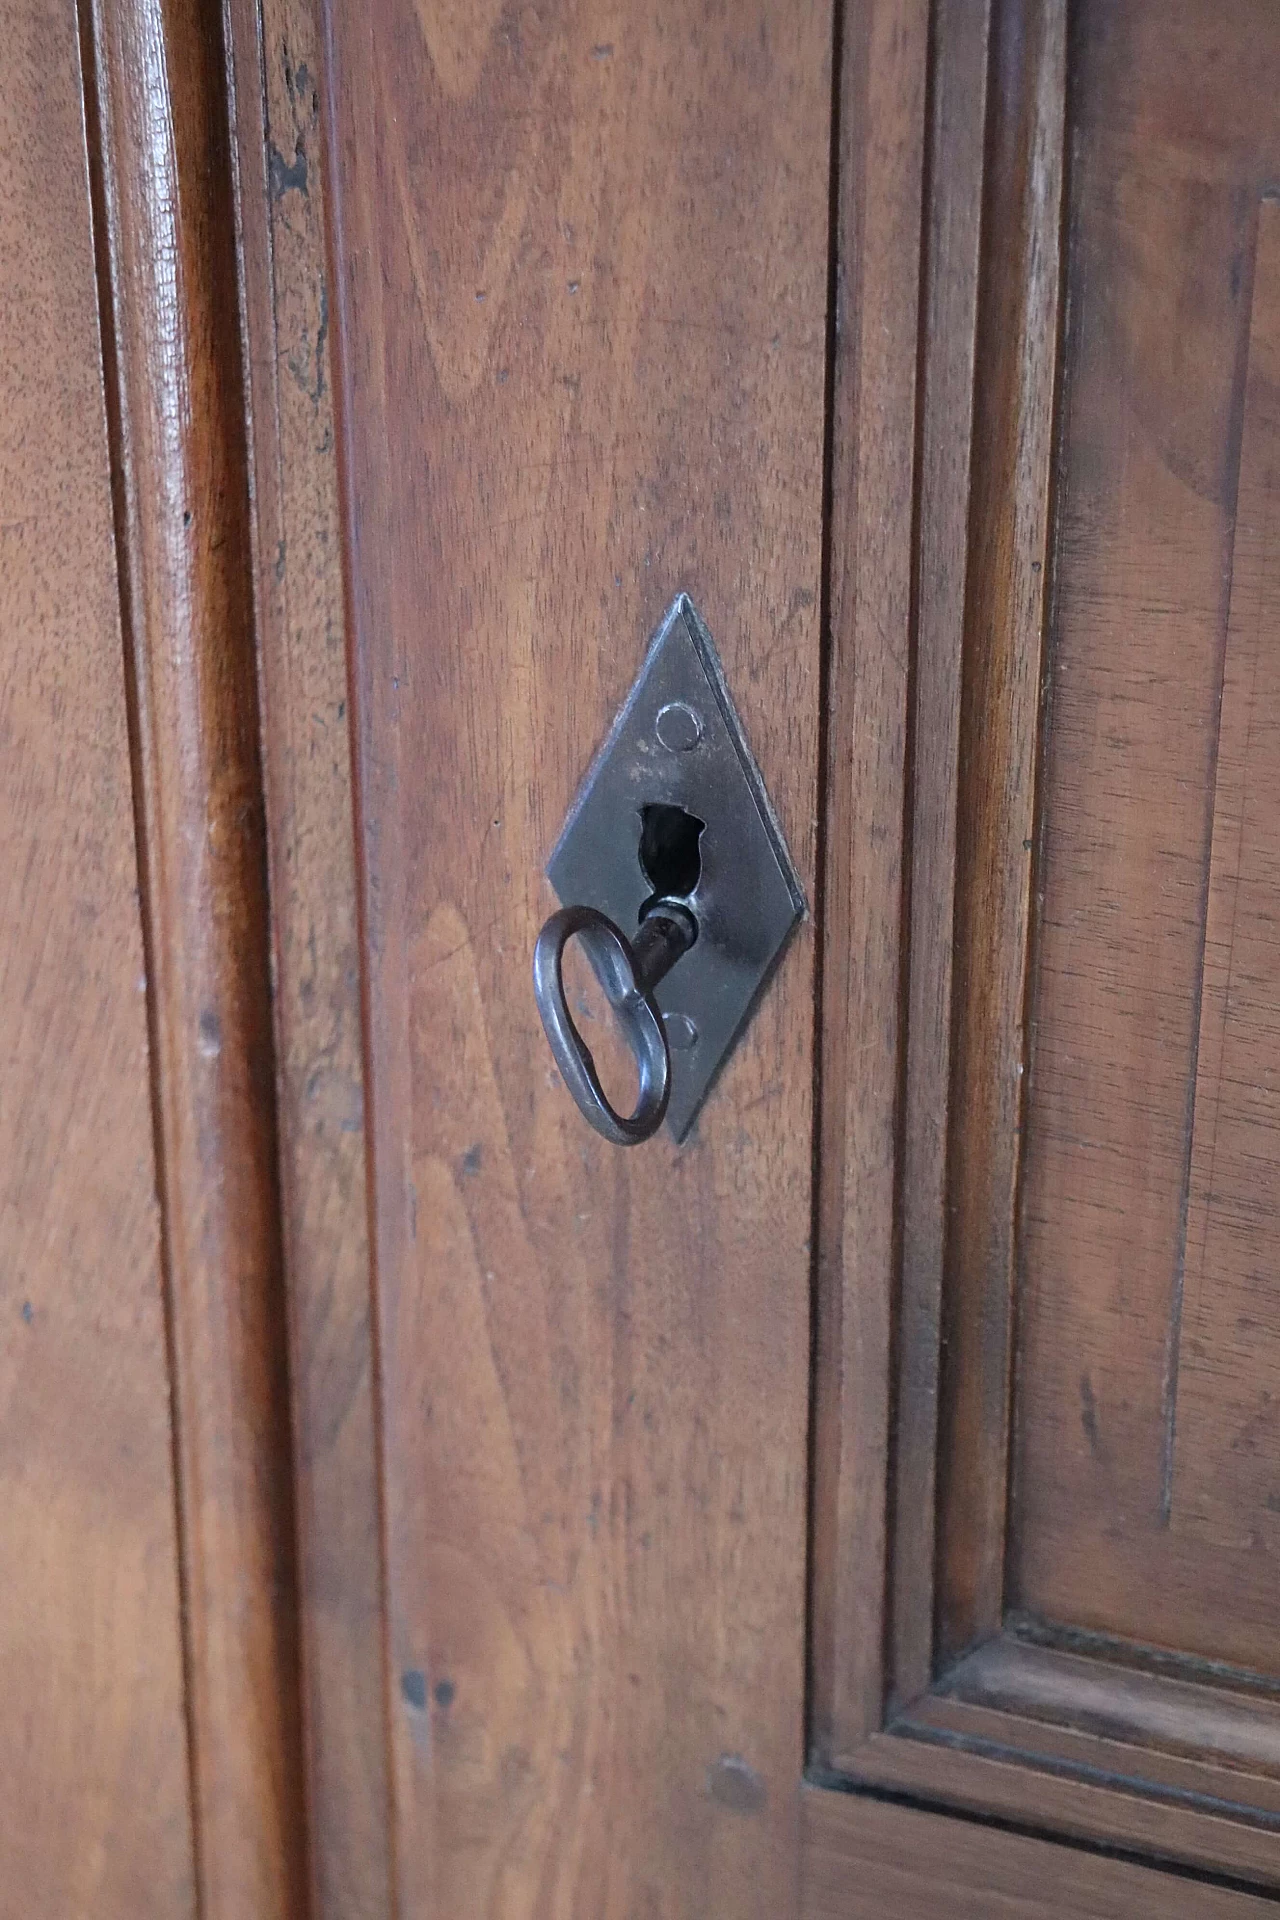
x=176, y=407
x=947, y=1753
x=580, y=325
x=882, y=121
x=1224, y=1475
x=1145, y=1478
x=1099, y=1693
x=1009, y=526
x=95, y=1813
x=954, y=165
x=863, y=1857
x=306, y=747
x=1044, y=1724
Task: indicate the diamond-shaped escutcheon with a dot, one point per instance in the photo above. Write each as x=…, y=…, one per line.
x=674, y=807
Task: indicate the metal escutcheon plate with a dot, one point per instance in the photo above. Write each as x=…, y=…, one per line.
x=678, y=743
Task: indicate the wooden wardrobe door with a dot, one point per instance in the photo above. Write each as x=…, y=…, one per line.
x=927, y=347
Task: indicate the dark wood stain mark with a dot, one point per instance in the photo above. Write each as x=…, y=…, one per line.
x=734, y=1784
x=287, y=175
x=1089, y=1414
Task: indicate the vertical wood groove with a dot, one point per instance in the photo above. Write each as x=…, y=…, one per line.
x=817, y=1552
x=174, y=379
x=101, y=201
x=340, y=156
x=955, y=136
x=883, y=92
x=280, y=118
x=1000, y=702
x=934, y=688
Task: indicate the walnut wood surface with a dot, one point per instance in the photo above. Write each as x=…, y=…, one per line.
x=580, y=324
x=882, y=121
x=95, y=1807
x=956, y=136
x=865, y=1860
x=1107, y=1700
x=1042, y=1776
x=578, y=292
x=972, y=539
x=1147, y=1483
x=1009, y=532
x=1223, y=1472
x=306, y=747
x=168, y=266
x=1169, y=217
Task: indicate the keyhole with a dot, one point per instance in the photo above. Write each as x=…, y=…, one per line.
x=669, y=850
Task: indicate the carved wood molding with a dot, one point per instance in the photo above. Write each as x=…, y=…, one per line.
x=157, y=96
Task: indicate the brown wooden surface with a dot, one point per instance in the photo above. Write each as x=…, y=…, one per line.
x=1096, y=1692
x=924, y=1371
x=1034, y=1722
x=556, y=1666
x=95, y=1809
x=168, y=269
x=1147, y=1481
x=956, y=136
x=881, y=158
x=1040, y=1775
x=866, y=1859
x=1015, y=359
x=279, y=95
x=1224, y=1466
x=581, y=262
x=590, y=1392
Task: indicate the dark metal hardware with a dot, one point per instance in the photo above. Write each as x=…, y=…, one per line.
x=671, y=835
x=628, y=971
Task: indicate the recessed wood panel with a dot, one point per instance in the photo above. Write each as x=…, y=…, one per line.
x=1147, y=1481
x=1224, y=1412
x=1075, y=1582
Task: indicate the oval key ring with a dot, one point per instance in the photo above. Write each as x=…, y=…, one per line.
x=628, y=975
